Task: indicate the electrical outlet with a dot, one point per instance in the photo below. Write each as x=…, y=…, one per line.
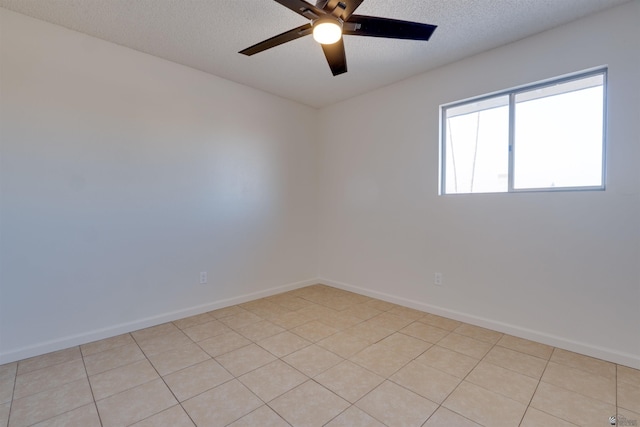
x=438, y=279
x=203, y=277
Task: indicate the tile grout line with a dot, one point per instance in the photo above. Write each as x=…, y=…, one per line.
x=432, y=344
x=615, y=383
x=234, y=377
x=465, y=377
x=540, y=381
x=310, y=378
x=15, y=383
x=13, y=391
x=93, y=397
x=281, y=359
x=265, y=403
x=584, y=371
x=536, y=389
x=387, y=378
x=163, y=380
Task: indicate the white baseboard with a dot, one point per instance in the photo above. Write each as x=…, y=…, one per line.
x=90, y=336
x=610, y=355
x=565, y=343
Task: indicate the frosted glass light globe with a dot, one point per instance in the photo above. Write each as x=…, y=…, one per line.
x=327, y=31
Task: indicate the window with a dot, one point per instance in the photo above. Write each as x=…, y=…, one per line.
x=542, y=137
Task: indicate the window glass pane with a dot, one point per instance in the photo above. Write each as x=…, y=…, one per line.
x=558, y=135
x=477, y=146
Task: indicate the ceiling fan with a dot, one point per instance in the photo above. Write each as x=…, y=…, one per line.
x=331, y=19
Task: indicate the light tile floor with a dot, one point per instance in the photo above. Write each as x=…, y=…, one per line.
x=316, y=356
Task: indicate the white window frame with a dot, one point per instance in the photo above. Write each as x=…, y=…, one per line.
x=511, y=93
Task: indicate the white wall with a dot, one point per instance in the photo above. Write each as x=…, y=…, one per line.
x=562, y=268
x=122, y=176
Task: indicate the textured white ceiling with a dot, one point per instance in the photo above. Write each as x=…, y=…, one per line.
x=207, y=34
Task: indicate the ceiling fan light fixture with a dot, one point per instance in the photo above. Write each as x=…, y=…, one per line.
x=329, y=19
x=327, y=30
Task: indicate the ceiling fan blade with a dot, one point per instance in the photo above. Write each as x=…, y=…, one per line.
x=350, y=7
x=287, y=36
x=300, y=6
x=336, y=57
x=373, y=26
